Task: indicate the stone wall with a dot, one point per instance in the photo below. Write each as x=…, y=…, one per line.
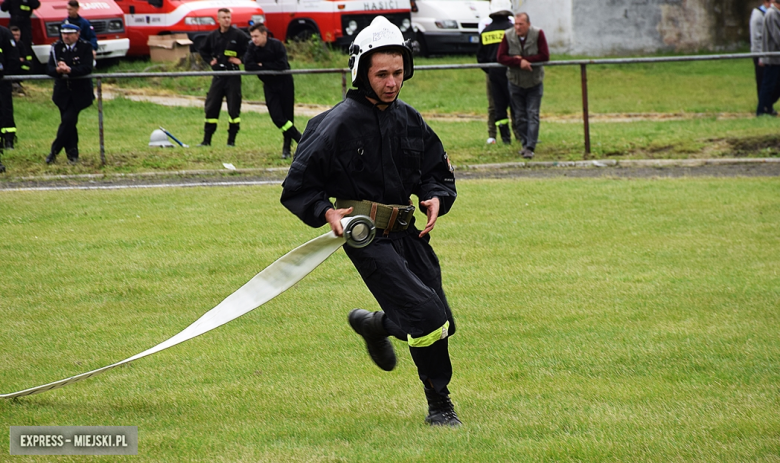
x=622, y=27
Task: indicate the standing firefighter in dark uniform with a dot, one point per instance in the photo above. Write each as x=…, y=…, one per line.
x=70, y=57
x=372, y=152
x=223, y=50
x=269, y=54
x=20, y=12
x=9, y=59
x=489, y=40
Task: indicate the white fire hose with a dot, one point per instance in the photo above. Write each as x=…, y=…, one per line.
x=275, y=279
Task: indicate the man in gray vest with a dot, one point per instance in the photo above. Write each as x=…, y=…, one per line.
x=520, y=47
x=770, y=42
x=756, y=30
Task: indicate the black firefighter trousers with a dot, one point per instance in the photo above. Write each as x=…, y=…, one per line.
x=229, y=88
x=403, y=274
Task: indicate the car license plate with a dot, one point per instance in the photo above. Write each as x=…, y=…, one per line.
x=473, y=39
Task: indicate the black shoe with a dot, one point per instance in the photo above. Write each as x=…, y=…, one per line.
x=73, y=156
x=73, y=160
x=9, y=144
x=2, y=168
x=369, y=325
x=204, y=143
x=231, y=143
x=51, y=158
x=441, y=412
x=286, y=154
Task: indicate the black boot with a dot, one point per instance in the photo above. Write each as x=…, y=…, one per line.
x=9, y=140
x=206, y=140
x=294, y=134
x=208, y=130
x=286, y=152
x=232, y=132
x=506, y=136
x=2, y=167
x=73, y=155
x=369, y=325
x=51, y=158
x=441, y=412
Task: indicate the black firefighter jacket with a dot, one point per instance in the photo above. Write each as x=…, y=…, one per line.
x=355, y=151
x=224, y=46
x=65, y=87
x=272, y=56
x=9, y=53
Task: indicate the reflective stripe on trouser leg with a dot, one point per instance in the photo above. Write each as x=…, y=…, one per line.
x=234, y=120
x=286, y=126
x=502, y=122
x=429, y=338
x=5, y=130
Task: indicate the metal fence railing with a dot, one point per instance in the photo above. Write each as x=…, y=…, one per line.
x=344, y=72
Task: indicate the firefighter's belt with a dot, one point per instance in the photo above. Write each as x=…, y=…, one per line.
x=387, y=217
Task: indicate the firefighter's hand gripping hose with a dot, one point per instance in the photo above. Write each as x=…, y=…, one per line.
x=275, y=279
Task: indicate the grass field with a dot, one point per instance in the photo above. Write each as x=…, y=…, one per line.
x=599, y=320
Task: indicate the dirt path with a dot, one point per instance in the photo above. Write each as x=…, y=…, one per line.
x=532, y=170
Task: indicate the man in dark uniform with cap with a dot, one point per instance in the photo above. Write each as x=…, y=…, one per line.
x=372, y=152
x=9, y=64
x=223, y=50
x=268, y=54
x=70, y=57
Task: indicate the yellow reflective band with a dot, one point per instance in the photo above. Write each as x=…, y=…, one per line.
x=212, y=121
x=8, y=130
x=286, y=126
x=429, y=339
x=1, y=50
x=24, y=7
x=230, y=53
x=234, y=121
x=25, y=68
x=492, y=37
x=28, y=57
x=502, y=122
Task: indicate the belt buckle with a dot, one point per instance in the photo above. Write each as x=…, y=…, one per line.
x=405, y=213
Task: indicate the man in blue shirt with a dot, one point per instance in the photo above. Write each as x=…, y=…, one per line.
x=87, y=32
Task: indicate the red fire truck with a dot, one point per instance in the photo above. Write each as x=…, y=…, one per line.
x=334, y=21
x=106, y=18
x=196, y=18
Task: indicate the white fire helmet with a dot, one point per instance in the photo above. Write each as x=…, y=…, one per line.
x=381, y=33
x=500, y=8
x=158, y=138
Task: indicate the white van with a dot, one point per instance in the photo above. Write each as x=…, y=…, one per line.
x=448, y=26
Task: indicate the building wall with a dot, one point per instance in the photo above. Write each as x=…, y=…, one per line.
x=620, y=27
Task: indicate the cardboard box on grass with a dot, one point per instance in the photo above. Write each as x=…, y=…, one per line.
x=171, y=47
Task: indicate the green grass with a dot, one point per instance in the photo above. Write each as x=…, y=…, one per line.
x=693, y=87
x=128, y=124
x=598, y=320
